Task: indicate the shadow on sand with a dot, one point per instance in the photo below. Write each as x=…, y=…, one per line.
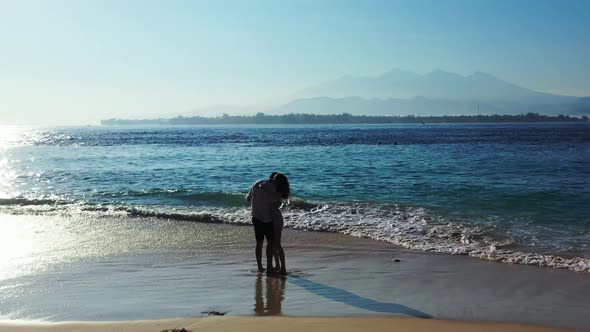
x=340, y=295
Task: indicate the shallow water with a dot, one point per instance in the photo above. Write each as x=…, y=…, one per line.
x=152, y=268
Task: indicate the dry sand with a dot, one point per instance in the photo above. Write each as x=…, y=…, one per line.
x=283, y=324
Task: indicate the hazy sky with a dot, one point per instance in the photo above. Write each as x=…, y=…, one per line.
x=65, y=62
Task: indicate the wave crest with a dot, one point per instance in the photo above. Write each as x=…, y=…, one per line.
x=407, y=226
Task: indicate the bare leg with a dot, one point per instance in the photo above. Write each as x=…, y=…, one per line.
x=282, y=256
x=278, y=248
x=259, y=255
x=277, y=266
x=269, y=251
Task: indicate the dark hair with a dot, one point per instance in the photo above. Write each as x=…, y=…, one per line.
x=272, y=175
x=282, y=184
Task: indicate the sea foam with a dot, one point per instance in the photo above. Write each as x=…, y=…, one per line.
x=406, y=226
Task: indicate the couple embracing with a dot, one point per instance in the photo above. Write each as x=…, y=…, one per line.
x=265, y=198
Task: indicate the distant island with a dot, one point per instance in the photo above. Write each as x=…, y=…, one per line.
x=401, y=92
x=397, y=96
x=344, y=118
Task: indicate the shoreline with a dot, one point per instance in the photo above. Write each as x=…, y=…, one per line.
x=347, y=119
x=267, y=324
x=443, y=238
x=187, y=269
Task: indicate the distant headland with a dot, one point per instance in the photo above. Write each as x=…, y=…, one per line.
x=344, y=118
x=397, y=96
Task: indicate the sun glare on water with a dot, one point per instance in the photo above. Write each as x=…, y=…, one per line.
x=9, y=138
x=6, y=173
x=18, y=245
x=20, y=237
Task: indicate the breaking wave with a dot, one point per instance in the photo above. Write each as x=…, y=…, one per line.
x=407, y=226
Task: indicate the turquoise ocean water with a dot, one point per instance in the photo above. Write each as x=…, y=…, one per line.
x=493, y=190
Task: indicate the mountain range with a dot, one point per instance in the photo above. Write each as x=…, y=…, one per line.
x=400, y=92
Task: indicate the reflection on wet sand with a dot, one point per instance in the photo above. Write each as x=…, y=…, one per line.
x=275, y=293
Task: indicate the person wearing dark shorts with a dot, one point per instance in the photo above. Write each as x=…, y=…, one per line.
x=263, y=230
x=262, y=196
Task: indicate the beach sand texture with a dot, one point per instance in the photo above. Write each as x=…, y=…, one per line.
x=286, y=324
x=208, y=268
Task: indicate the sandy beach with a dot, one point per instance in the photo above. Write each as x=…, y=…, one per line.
x=266, y=324
x=126, y=271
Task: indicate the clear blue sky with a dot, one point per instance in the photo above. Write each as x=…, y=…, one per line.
x=79, y=61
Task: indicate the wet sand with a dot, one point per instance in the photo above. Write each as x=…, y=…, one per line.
x=196, y=268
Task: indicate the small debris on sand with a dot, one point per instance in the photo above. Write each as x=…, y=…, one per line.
x=216, y=313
